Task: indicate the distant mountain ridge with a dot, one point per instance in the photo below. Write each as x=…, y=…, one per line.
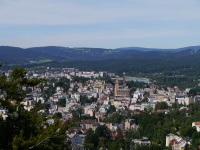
x=160, y=49
x=16, y=55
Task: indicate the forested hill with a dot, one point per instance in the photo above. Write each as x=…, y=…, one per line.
x=15, y=55
x=133, y=61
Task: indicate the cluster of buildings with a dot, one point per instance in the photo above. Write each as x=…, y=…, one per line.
x=116, y=94
x=176, y=142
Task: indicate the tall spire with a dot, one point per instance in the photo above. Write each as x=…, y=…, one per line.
x=124, y=80
x=116, y=86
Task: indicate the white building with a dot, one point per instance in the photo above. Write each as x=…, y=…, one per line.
x=3, y=113
x=147, y=106
x=176, y=142
x=197, y=125
x=170, y=137
x=184, y=100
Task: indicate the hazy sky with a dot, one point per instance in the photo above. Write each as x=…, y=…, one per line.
x=100, y=23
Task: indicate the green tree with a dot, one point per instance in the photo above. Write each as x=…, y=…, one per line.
x=115, y=118
x=103, y=131
x=111, y=110
x=91, y=140
x=194, y=91
x=52, y=137
x=85, y=100
x=57, y=115
x=62, y=102
x=12, y=86
x=161, y=105
x=64, y=83
x=24, y=129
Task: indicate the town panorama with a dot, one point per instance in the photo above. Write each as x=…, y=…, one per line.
x=68, y=108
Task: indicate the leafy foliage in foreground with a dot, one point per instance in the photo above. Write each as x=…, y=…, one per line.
x=27, y=129
x=12, y=87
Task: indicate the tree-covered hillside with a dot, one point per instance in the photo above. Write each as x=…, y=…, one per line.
x=163, y=65
x=15, y=55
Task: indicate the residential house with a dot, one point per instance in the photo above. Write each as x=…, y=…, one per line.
x=114, y=126
x=147, y=106
x=134, y=107
x=176, y=142
x=99, y=84
x=130, y=124
x=197, y=99
x=77, y=141
x=197, y=125
x=110, y=87
x=170, y=137
x=141, y=142
x=76, y=96
x=99, y=116
x=28, y=104
x=89, y=123
x=104, y=108
x=3, y=113
x=90, y=110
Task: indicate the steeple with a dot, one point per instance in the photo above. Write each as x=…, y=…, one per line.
x=124, y=80
x=116, y=86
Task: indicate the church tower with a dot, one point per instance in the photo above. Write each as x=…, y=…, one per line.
x=116, y=86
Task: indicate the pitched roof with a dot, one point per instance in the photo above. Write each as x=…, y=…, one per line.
x=89, y=121
x=172, y=142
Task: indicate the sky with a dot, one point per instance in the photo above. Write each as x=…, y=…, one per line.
x=100, y=23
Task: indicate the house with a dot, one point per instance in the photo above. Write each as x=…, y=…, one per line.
x=89, y=123
x=99, y=84
x=77, y=141
x=147, y=106
x=55, y=97
x=117, y=103
x=104, y=108
x=90, y=110
x=134, y=107
x=69, y=105
x=109, y=86
x=130, y=124
x=197, y=125
x=99, y=116
x=114, y=126
x=170, y=137
x=184, y=100
x=140, y=142
x=3, y=113
x=159, y=97
x=76, y=96
x=137, y=94
x=176, y=142
x=197, y=99
x=28, y=104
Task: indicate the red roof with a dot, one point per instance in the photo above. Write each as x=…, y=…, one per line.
x=197, y=123
x=172, y=142
x=88, y=121
x=137, y=113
